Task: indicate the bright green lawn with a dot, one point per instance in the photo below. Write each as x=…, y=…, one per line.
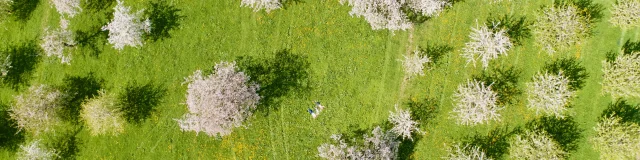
x=355, y=72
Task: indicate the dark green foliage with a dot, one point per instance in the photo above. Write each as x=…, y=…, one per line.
x=611, y=56
x=163, y=17
x=586, y=8
x=24, y=59
x=518, y=28
x=91, y=41
x=10, y=135
x=495, y=144
x=571, y=69
x=278, y=76
x=423, y=110
x=407, y=147
x=98, y=5
x=287, y=3
x=414, y=16
x=22, y=9
x=564, y=131
x=67, y=145
x=630, y=47
x=503, y=81
x=623, y=110
x=138, y=102
x=435, y=52
x=77, y=89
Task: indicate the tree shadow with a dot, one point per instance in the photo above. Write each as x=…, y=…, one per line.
x=504, y=81
x=564, y=131
x=423, y=110
x=495, y=144
x=414, y=16
x=67, y=145
x=98, y=5
x=435, y=52
x=22, y=9
x=518, y=28
x=288, y=3
x=283, y=74
x=163, y=17
x=76, y=89
x=91, y=41
x=408, y=147
x=24, y=59
x=138, y=102
x=630, y=47
x=623, y=110
x=570, y=68
x=10, y=135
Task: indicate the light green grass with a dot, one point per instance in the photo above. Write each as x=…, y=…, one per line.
x=355, y=72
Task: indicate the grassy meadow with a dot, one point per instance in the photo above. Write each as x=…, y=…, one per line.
x=354, y=71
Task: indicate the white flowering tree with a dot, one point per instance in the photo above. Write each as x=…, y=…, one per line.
x=126, y=28
x=466, y=152
x=414, y=64
x=35, y=150
x=403, y=125
x=486, y=45
x=549, y=94
x=625, y=14
x=67, y=7
x=35, y=110
x=620, y=78
x=102, y=115
x=475, y=103
x=616, y=140
x=380, y=145
x=428, y=8
x=54, y=42
x=381, y=14
x=559, y=28
x=535, y=145
x=257, y=5
x=219, y=102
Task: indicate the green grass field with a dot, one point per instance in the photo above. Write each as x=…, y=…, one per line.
x=354, y=71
